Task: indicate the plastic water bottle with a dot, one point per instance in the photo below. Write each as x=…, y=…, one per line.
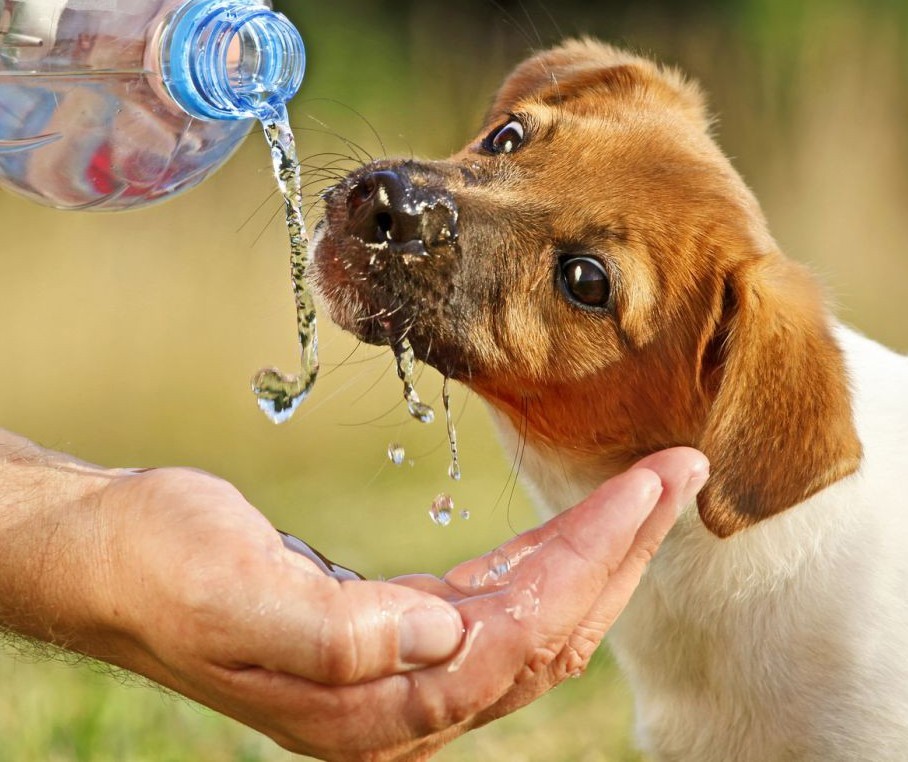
x=112, y=104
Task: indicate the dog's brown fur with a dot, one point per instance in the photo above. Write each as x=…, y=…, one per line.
x=712, y=339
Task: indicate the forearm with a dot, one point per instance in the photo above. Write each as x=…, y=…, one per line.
x=52, y=548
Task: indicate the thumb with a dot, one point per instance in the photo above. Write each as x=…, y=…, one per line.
x=338, y=633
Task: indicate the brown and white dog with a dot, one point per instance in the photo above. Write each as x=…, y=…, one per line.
x=594, y=267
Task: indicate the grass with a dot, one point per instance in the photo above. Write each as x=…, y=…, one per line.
x=130, y=339
x=57, y=712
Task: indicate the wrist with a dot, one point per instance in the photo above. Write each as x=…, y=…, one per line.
x=52, y=542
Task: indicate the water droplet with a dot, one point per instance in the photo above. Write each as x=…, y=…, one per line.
x=499, y=565
x=396, y=454
x=279, y=394
x=465, y=515
x=442, y=507
x=406, y=360
x=442, y=518
x=454, y=468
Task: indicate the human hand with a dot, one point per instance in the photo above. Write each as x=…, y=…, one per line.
x=172, y=574
x=202, y=589
x=264, y=636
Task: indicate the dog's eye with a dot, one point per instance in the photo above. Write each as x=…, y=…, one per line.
x=585, y=281
x=506, y=139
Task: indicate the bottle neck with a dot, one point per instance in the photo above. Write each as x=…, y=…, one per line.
x=230, y=59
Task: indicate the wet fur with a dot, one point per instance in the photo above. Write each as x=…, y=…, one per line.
x=785, y=639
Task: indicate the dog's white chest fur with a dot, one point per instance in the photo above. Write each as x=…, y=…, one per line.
x=788, y=640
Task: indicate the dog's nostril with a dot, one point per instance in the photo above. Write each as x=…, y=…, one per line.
x=360, y=194
x=379, y=210
x=384, y=226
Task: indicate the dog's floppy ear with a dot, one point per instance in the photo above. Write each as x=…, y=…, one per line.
x=781, y=425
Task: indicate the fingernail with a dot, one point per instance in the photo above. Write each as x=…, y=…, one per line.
x=695, y=482
x=429, y=634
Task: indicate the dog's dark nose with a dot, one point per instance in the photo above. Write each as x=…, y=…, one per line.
x=379, y=211
x=383, y=206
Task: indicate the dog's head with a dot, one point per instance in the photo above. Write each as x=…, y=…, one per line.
x=594, y=267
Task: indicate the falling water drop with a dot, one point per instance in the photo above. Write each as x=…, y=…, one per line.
x=396, y=454
x=442, y=507
x=403, y=353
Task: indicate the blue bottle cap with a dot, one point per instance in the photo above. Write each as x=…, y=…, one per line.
x=231, y=59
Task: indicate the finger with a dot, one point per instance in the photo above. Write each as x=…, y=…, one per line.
x=681, y=479
x=673, y=466
x=332, y=632
x=527, y=619
x=315, y=719
x=682, y=470
x=568, y=579
x=356, y=631
x=681, y=483
x=518, y=628
x=622, y=503
x=573, y=554
x=427, y=584
x=682, y=473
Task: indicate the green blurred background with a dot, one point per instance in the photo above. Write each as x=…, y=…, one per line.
x=130, y=339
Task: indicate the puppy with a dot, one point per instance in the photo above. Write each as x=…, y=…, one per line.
x=593, y=266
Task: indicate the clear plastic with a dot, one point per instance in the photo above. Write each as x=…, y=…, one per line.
x=112, y=104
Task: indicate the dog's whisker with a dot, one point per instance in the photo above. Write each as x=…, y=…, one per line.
x=515, y=24
x=522, y=451
x=375, y=383
x=335, y=168
x=374, y=422
x=331, y=169
x=533, y=26
x=364, y=361
x=559, y=34
x=307, y=410
x=365, y=121
x=316, y=194
x=268, y=199
x=512, y=471
x=382, y=312
x=353, y=146
x=336, y=156
x=267, y=226
x=345, y=362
